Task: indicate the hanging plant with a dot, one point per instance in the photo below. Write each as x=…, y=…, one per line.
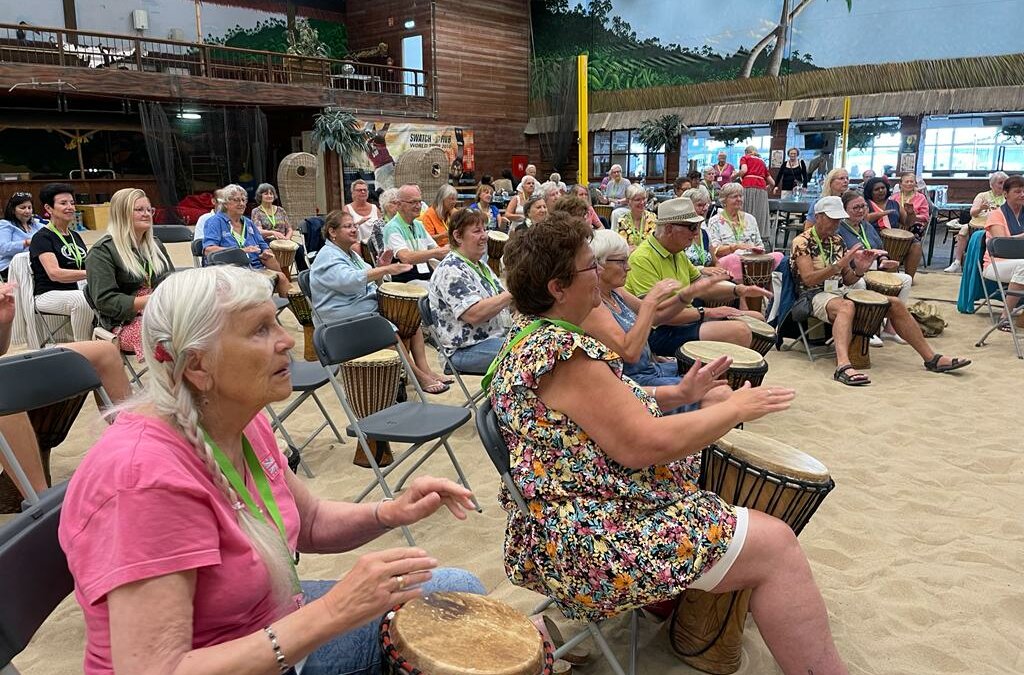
x=863, y=134
x=1013, y=132
x=338, y=130
x=305, y=40
x=731, y=136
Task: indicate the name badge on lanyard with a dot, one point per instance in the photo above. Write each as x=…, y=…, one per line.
x=831, y=285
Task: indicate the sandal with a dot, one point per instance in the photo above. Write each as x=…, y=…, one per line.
x=932, y=364
x=437, y=387
x=855, y=380
x=1004, y=325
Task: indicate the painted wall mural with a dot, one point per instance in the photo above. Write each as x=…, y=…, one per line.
x=645, y=43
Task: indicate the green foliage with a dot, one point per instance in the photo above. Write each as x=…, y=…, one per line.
x=862, y=134
x=305, y=40
x=272, y=36
x=1014, y=132
x=731, y=135
x=339, y=131
x=666, y=131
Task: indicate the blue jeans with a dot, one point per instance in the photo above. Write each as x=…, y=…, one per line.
x=475, y=359
x=357, y=652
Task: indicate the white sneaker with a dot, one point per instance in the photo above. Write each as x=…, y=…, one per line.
x=955, y=268
x=876, y=341
x=894, y=337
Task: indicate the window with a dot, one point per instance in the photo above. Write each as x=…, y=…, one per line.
x=704, y=150
x=623, y=147
x=978, y=149
x=412, y=58
x=883, y=152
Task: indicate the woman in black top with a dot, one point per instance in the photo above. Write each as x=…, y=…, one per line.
x=793, y=171
x=57, y=254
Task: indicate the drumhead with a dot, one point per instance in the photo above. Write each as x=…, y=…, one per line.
x=383, y=356
x=709, y=350
x=294, y=290
x=402, y=290
x=459, y=633
x=497, y=235
x=767, y=453
x=283, y=245
x=756, y=257
x=756, y=325
x=867, y=297
x=893, y=233
x=882, y=278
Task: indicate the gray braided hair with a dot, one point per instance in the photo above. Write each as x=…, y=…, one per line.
x=184, y=317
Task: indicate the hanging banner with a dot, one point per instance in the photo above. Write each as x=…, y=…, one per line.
x=385, y=143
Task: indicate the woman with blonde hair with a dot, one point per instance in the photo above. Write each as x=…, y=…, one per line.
x=435, y=218
x=125, y=267
x=186, y=504
x=836, y=183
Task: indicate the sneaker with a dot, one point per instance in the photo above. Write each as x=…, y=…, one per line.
x=894, y=337
x=876, y=341
x=955, y=268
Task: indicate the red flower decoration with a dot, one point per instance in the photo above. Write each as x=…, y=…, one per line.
x=161, y=353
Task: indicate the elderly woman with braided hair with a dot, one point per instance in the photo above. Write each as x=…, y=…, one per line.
x=182, y=524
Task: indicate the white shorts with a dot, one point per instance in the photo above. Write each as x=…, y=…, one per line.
x=1009, y=271
x=710, y=579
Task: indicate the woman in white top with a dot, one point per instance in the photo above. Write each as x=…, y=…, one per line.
x=515, y=210
x=734, y=233
x=362, y=211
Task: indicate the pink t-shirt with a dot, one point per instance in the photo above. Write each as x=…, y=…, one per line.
x=143, y=505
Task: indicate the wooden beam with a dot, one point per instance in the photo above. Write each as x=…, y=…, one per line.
x=70, y=20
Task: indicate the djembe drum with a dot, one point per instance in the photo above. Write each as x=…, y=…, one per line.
x=284, y=250
x=885, y=283
x=460, y=633
x=747, y=365
x=757, y=271
x=495, y=248
x=299, y=304
x=371, y=384
x=869, y=311
x=756, y=472
x=400, y=304
x=604, y=210
x=762, y=334
x=897, y=243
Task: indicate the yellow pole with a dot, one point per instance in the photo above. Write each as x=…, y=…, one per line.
x=846, y=128
x=582, y=106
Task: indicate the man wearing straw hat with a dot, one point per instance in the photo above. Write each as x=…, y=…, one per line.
x=662, y=256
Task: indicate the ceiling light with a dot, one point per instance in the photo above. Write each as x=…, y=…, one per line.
x=410, y=24
x=189, y=116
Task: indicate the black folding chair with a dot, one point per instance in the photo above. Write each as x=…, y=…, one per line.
x=427, y=321
x=497, y=451
x=229, y=256
x=197, y=253
x=407, y=422
x=51, y=386
x=173, y=234
x=34, y=575
x=1005, y=248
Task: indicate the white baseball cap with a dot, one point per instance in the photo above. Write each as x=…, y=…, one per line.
x=831, y=207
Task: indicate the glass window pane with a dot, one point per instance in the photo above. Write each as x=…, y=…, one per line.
x=602, y=143
x=857, y=160
x=975, y=134
x=1013, y=160
x=942, y=136
x=656, y=165
x=885, y=157
x=621, y=160
x=963, y=158
x=601, y=165
x=634, y=143
x=620, y=141
x=887, y=140
x=638, y=166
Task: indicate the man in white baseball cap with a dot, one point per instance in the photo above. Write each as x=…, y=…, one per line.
x=826, y=270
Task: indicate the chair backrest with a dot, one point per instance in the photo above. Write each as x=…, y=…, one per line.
x=304, y=286
x=172, y=234
x=229, y=256
x=197, y=248
x=1006, y=247
x=354, y=337
x=42, y=378
x=426, y=313
x=34, y=575
x=494, y=444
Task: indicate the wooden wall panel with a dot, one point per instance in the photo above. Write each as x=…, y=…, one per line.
x=483, y=75
x=370, y=23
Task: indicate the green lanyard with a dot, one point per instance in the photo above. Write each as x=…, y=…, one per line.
x=821, y=249
x=414, y=241
x=698, y=244
x=483, y=272
x=860, y=235
x=738, y=229
x=259, y=477
x=240, y=238
x=519, y=337
x=273, y=219
x=72, y=248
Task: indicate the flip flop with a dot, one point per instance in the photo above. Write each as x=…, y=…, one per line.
x=1004, y=325
x=437, y=388
x=855, y=380
x=932, y=364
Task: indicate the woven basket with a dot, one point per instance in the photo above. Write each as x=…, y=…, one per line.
x=425, y=167
x=296, y=181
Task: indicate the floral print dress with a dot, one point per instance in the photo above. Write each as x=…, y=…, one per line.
x=600, y=538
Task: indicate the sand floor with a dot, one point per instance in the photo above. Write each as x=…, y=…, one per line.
x=918, y=551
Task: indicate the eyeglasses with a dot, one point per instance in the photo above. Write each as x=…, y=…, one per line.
x=237, y=200
x=591, y=268
x=616, y=261
x=143, y=209
x=408, y=201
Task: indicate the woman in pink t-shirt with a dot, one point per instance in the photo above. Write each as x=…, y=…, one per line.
x=914, y=216
x=181, y=526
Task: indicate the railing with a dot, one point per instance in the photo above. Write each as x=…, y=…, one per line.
x=85, y=49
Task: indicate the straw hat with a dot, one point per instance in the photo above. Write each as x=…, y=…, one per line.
x=679, y=210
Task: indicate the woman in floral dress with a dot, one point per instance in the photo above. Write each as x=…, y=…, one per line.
x=616, y=520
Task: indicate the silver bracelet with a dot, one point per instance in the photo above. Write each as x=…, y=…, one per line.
x=376, y=514
x=282, y=663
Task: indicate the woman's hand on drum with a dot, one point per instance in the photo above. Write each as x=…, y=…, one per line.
x=756, y=402
x=699, y=380
x=888, y=265
x=723, y=312
x=425, y=495
x=376, y=583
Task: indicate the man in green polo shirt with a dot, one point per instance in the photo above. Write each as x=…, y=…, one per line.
x=661, y=256
x=406, y=237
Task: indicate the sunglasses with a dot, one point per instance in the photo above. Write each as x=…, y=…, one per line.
x=20, y=195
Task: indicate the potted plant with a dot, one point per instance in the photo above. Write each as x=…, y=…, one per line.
x=665, y=131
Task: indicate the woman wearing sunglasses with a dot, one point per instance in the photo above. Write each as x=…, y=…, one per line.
x=16, y=229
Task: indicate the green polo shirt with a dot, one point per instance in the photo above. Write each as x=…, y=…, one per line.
x=650, y=262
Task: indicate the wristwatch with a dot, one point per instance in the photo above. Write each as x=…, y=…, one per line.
x=700, y=310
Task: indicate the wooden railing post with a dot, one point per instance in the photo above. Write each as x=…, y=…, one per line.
x=138, y=53
x=270, y=67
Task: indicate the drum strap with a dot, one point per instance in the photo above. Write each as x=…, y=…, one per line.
x=519, y=337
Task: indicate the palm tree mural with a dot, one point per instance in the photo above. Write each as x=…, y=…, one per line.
x=780, y=35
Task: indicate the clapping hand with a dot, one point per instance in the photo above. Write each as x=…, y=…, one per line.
x=386, y=257
x=661, y=290
x=6, y=304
